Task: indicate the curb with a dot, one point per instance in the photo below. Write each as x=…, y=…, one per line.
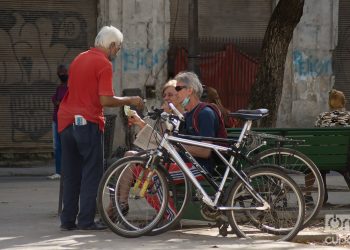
x=312, y=236
x=29, y=171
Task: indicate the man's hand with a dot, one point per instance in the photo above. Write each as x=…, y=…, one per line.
x=137, y=102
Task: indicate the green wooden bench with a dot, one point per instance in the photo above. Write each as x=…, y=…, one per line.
x=328, y=148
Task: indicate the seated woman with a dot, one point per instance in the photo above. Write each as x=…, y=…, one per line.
x=337, y=116
x=169, y=94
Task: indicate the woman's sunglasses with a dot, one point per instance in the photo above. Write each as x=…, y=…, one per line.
x=178, y=88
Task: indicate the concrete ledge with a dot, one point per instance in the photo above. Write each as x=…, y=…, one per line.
x=27, y=171
x=312, y=235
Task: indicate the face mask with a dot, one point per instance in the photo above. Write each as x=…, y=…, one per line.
x=185, y=102
x=63, y=78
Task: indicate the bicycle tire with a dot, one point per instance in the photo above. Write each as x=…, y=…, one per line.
x=179, y=194
x=143, y=213
x=181, y=197
x=296, y=161
x=282, y=221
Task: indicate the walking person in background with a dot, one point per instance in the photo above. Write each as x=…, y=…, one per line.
x=81, y=125
x=61, y=90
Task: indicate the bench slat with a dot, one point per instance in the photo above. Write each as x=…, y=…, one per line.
x=329, y=148
x=322, y=149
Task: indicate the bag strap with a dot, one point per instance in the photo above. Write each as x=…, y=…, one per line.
x=198, y=109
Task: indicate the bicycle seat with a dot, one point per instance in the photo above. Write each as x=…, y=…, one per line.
x=246, y=114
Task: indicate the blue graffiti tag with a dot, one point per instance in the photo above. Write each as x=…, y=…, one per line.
x=141, y=58
x=311, y=65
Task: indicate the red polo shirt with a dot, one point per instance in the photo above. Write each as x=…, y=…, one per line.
x=90, y=76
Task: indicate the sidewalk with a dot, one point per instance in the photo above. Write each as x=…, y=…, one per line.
x=314, y=234
x=342, y=198
x=28, y=208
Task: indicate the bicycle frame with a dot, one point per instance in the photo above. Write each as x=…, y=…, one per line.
x=166, y=143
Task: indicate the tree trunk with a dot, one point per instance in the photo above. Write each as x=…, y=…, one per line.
x=267, y=89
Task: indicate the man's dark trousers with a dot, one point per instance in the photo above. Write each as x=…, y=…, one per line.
x=82, y=166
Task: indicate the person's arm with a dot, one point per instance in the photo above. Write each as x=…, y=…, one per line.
x=199, y=151
x=114, y=101
x=135, y=119
x=106, y=93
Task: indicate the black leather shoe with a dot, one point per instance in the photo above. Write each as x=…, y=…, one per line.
x=68, y=227
x=95, y=226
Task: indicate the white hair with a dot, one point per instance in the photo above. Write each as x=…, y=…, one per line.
x=108, y=35
x=191, y=80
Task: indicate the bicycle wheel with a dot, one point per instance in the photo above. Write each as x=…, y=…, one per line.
x=179, y=197
x=284, y=218
x=303, y=171
x=130, y=203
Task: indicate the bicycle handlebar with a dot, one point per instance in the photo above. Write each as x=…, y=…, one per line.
x=178, y=113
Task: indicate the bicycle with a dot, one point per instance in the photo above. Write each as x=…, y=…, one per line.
x=264, y=148
x=266, y=198
x=300, y=167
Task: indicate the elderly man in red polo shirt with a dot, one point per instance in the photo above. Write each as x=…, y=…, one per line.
x=81, y=125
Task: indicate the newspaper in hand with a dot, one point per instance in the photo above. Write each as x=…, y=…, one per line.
x=128, y=111
x=147, y=138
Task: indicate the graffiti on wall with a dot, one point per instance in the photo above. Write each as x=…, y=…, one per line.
x=32, y=44
x=142, y=58
x=311, y=64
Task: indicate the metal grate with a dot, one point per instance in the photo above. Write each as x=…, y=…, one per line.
x=224, y=67
x=36, y=36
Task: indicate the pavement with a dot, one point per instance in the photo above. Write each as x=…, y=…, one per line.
x=28, y=220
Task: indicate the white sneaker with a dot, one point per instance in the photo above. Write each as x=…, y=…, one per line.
x=54, y=177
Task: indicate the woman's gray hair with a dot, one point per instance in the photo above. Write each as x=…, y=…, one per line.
x=108, y=35
x=191, y=80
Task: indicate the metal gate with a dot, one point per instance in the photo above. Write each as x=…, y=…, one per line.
x=36, y=36
x=229, y=71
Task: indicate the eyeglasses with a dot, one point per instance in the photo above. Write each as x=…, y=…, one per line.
x=179, y=88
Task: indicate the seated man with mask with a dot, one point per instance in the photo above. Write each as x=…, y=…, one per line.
x=200, y=120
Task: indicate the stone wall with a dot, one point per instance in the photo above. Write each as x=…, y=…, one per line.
x=142, y=61
x=308, y=73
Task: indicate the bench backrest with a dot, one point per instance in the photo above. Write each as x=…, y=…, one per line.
x=328, y=148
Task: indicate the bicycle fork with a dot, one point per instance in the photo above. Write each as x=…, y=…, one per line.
x=148, y=170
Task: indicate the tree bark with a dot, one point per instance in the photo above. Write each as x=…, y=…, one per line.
x=267, y=89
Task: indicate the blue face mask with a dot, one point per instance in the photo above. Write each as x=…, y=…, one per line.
x=185, y=102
